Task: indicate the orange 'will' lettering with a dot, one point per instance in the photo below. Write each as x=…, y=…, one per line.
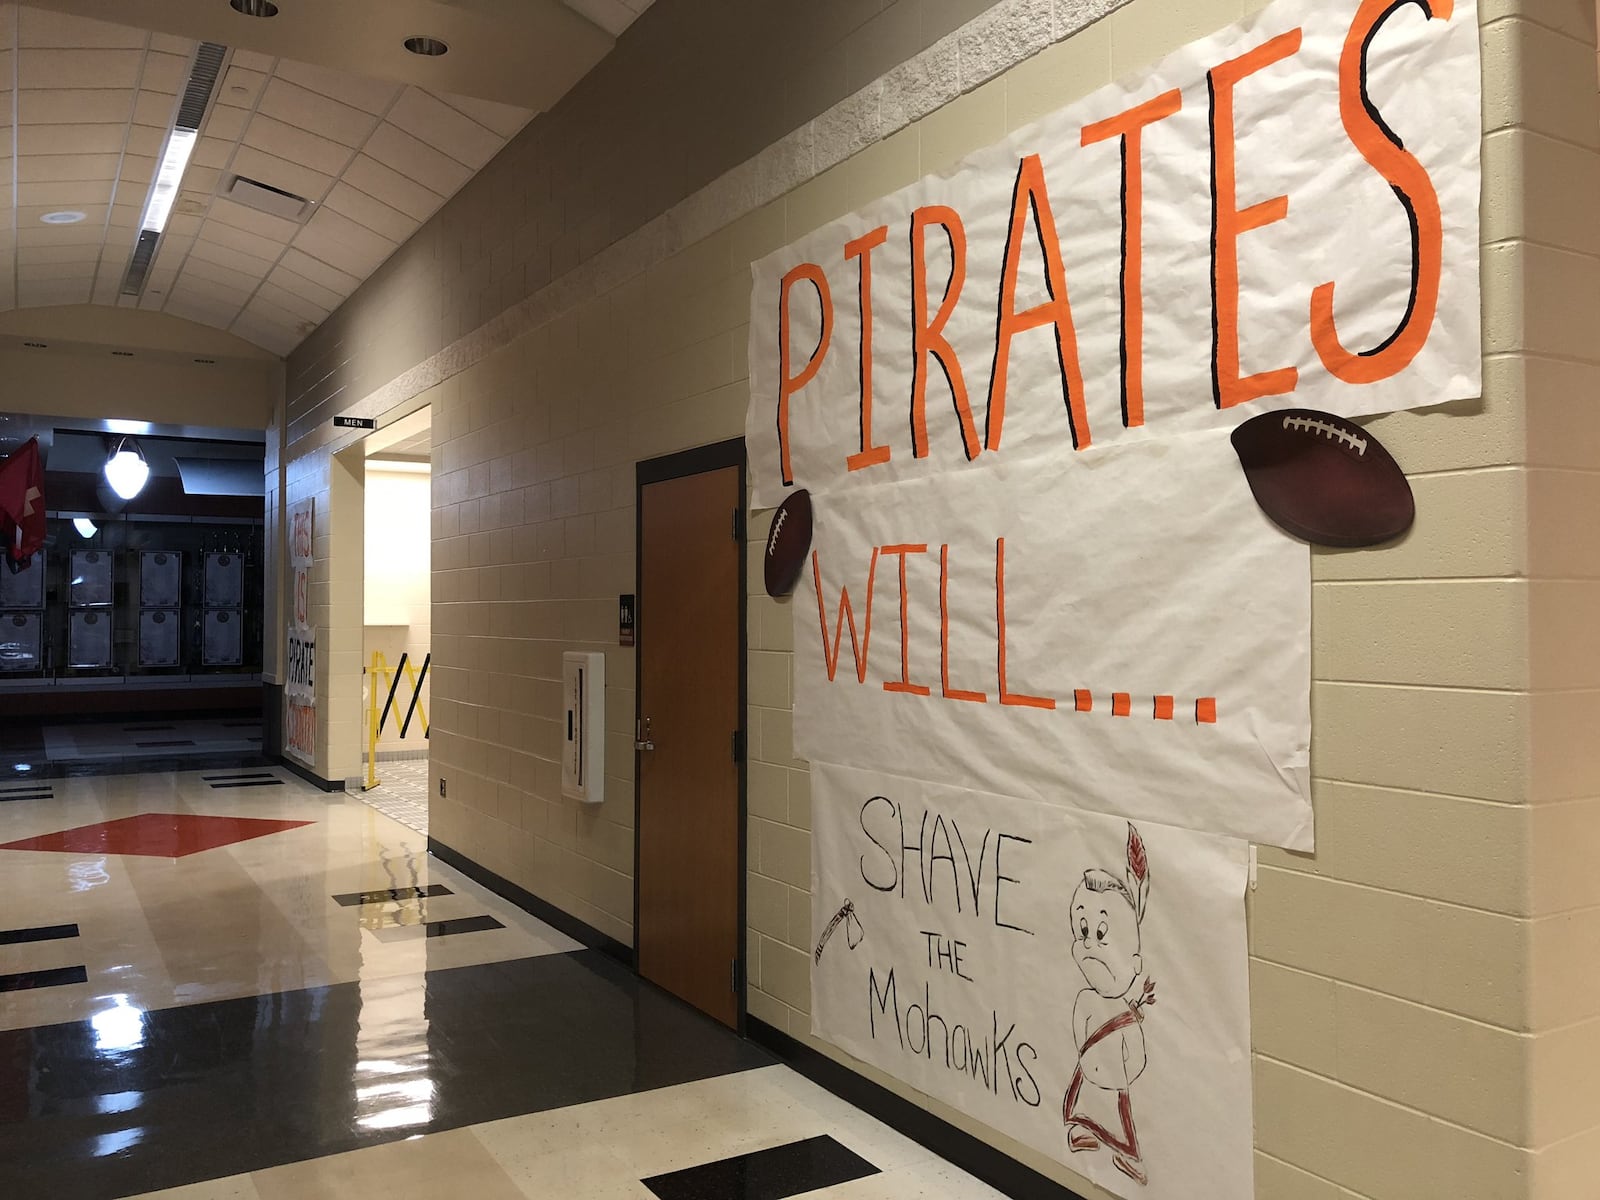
x=858, y=649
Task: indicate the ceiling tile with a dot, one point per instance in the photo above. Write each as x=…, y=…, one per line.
x=36, y=168
x=64, y=193
x=131, y=192
x=374, y=214
x=280, y=173
x=251, y=61
x=67, y=106
x=55, y=272
x=283, y=308
x=165, y=73
x=155, y=108
x=370, y=95
x=200, y=182
x=275, y=338
x=433, y=121
x=294, y=105
x=192, y=284
x=226, y=258
x=248, y=219
x=226, y=123
x=71, y=139
x=80, y=68
x=200, y=307
x=41, y=27
x=126, y=216
x=245, y=243
x=196, y=268
x=94, y=217
x=89, y=254
x=106, y=287
x=504, y=119
x=212, y=152
x=182, y=227
x=89, y=232
x=342, y=243
x=397, y=191
x=240, y=87
x=144, y=139
x=139, y=168
x=318, y=271
x=48, y=295
x=172, y=44
x=296, y=284
x=296, y=145
x=400, y=151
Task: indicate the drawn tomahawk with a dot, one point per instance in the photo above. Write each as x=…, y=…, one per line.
x=852, y=928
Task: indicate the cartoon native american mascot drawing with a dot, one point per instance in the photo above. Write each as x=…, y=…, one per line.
x=1108, y=1016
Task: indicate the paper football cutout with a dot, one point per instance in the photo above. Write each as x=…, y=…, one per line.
x=788, y=543
x=1324, y=479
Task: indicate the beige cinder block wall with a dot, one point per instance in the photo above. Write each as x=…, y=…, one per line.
x=1424, y=996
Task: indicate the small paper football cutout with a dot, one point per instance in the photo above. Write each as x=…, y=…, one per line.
x=1323, y=478
x=788, y=543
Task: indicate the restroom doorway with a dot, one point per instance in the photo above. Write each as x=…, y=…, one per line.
x=689, y=735
x=397, y=650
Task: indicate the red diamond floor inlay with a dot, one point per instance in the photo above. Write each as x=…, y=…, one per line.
x=158, y=835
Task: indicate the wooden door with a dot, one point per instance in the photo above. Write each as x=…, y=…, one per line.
x=691, y=721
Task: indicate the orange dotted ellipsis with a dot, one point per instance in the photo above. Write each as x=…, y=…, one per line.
x=1121, y=704
x=1163, y=708
x=1205, y=710
x=1082, y=701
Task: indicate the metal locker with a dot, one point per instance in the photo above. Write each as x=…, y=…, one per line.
x=160, y=579
x=89, y=639
x=224, y=582
x=159, y=637
x=90, y=585
x=21, y=638
x=222, y=638
x=25, y=589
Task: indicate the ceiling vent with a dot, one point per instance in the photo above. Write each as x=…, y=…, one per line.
x=263, y=197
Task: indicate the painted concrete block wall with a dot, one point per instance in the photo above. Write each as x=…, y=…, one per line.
x=1426, y=1016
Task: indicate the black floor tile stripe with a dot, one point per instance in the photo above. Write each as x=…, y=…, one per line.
x=461, y=925
x=148, y=728
x=251, y=783
x=222, y=778
x=24, y=981
x=154, y=745
x=39, y=795
x=773, y=1174
x=382, y=895
x=39, y=933
x=228, y=1086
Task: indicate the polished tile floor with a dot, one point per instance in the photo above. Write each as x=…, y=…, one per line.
x=229, y=984
x=402, y=792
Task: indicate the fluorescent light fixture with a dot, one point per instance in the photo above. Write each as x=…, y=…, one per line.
x=85, y=527
x=164, y=192
x=126, y=470
x=399, y=466
x=137, y=428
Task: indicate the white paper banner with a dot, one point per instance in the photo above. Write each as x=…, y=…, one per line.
x=300, y=643
x=1283, y=214
x=1153, y=661
x=1079, y=989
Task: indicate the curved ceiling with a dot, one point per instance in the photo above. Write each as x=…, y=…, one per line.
x=86, y=106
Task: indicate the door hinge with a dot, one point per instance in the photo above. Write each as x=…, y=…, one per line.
x=738, y=524
x=738, y=745
x=733, y=976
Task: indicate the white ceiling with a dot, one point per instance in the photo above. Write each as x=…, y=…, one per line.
x=85, y=107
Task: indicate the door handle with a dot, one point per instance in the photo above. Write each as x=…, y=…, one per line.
x=641, y=735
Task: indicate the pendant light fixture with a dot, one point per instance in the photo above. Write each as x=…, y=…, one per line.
x=126, y=469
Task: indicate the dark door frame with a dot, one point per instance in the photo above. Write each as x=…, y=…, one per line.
x=713, y=457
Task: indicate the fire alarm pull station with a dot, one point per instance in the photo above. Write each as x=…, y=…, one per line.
x=583, y=677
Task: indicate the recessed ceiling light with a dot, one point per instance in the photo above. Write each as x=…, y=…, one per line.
x=254, y=8
x=62, y=218
x=427, y=46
